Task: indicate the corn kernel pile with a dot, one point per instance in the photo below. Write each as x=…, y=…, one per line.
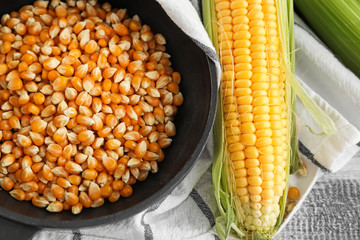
x=88, y=98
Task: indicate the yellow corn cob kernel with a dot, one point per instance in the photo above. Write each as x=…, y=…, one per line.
x=242, y=67
x=225, y=36
x=240, y=27
x=241, y=51
x=223, y=13
x=253, y=93
x=242, y=91
x=242, y=83
x=225, y=28
x=227, y=60
x=236, y=156
x=239, y=12
x=241, y=43
x=243, y=75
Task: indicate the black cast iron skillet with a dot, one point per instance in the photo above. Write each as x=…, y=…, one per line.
x=193, y=121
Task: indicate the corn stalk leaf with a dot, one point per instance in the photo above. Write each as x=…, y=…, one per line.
x=337, y=23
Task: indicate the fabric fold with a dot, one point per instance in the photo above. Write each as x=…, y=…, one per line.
x=333, y=151
x=337, y=92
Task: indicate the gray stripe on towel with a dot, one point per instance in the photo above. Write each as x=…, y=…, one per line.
x=148, y=234
x=77, y=235
x=203, y=207
x=309, y=155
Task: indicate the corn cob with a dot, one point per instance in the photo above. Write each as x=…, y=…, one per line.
x=254, y=106
x=255, y=122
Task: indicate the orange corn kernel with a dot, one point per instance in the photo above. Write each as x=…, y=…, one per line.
x=54, y=149
x=90, y=47
x=14, y=122
x=60, y=83
x=57, y=191
x=38, y=125
x=126, y=191
x=51, y=63
x=109, y=163
x=85, y=200
x=71, y=198
x=15, y=84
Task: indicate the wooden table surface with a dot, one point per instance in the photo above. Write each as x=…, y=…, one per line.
x=332, y=209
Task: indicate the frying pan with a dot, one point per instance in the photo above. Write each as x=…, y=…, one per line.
x=193, y=122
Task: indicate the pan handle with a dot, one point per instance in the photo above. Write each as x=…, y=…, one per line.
x=10, y=230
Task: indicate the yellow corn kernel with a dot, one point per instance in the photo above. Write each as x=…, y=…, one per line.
x=236, y=156
x=243, y=59
x=251, y=153
x=239, y=164
x=248, y=139
x=241, y=182
x=247, y=127
x=242, y=67
x=240, y=172
x=242, y=35
x=235, y=147
x=246, y=117
x=244, y=100
x=242, y=83
x=251, y=162
x=253, y=171
x=241, y=51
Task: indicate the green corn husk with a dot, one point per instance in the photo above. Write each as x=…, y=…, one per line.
x=228, y=223
x=337, y=23
x=295, y=155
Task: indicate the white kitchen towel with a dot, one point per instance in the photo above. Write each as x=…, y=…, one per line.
x=337, y=91
x=188, y=211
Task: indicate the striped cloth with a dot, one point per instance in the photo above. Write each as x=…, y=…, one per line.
x=189, y=211
x=336, y=90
